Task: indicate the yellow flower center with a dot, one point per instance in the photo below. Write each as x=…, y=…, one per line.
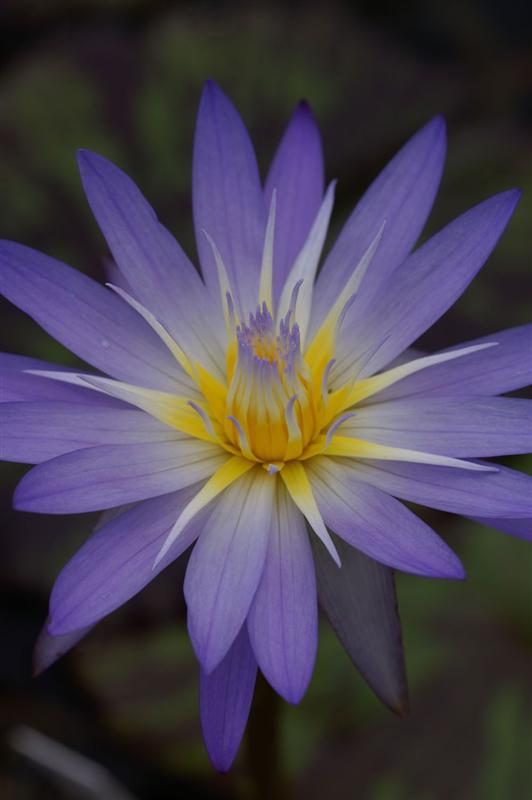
x=271, y=413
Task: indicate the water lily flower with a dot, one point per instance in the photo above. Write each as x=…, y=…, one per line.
x=269, y=415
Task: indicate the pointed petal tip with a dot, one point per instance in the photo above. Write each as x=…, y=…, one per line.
x=304, y=109
x=85, y=157
x=435, y=128
x=212, y=90
x=402, y=706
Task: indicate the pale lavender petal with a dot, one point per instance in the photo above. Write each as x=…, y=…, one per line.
x=225, y=700
x=422, y=288
x=463, y=427
x=226, y=566
x=13, y=361
x=496, y=370
x=282, y=621
x=115, y=276
x=521, y=528
x=297, y=173
x=17, y=385
x=36, y=432
x=48, y=649
x=111, y=475
x=86, y=317
x=360, y=602
x=379, y=525
x=402, y=195
x=505, y=493
x=156, y=268
x=227, y=198
x=117, y=561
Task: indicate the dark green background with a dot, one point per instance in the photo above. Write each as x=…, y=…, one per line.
x=124, y=78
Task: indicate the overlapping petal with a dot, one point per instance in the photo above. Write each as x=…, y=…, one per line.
x=226, y=566
x=521, y=528
x=379, y=525
x=463, y=427
x=117, y=561
x=18, y=385
x=505, y=493
x=48, y=649
x=85, y=317
x=33, y=432
x=297, y=175
x=104, y=476
x=503, y=368
x=282, y=622
x=225, y=700
x=422, y=288
x=402, y=196
x=361, y=604
x=153, y=264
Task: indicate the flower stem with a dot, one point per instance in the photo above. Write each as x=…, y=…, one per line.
x=263, y=743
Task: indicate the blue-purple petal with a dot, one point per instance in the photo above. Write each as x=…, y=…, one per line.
x=297, y=174
x=48, y=649
x=227, y=197
x=495, y=370
x=466, y=427
x=505, y=493
x=360, y=602
x=422, y=288
x=159, y=273
x=38, y=431
x=282, y=621
x=226, y=566
x=104, y=476
x=379, y=525
x=87, y=318
x=402, y=195
x=225, y=699
x=521, y=528
x=117, y=561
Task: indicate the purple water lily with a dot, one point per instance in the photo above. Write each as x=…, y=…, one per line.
x=268, y=415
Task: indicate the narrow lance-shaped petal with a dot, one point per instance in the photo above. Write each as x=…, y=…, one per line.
x=226, y=566
x=304, y=269
x=100, y=477
x=423, y=287
x=361, y=605
x=225, y=700
x=48, y=649
x=85, y=317
x=379, y=525
x=402, y=194
x=149, y=257
x=297, y=173
x=299, y=488
x=505, y=493
x=282, y=622
x=467, y=427
x=486, y=372
x=116, y=562
x=33, y=432
x=227, y=197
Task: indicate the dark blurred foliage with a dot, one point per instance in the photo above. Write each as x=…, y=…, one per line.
x=123, y=77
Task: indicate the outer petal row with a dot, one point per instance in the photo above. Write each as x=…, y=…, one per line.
x=402, y=196
x=464, y=427
x=111, y=475
x=421, y=289
x=85, y=317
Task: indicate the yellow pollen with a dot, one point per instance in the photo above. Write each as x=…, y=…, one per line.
x=273, y=405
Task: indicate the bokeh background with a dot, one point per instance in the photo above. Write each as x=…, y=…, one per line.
x=123, y=77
